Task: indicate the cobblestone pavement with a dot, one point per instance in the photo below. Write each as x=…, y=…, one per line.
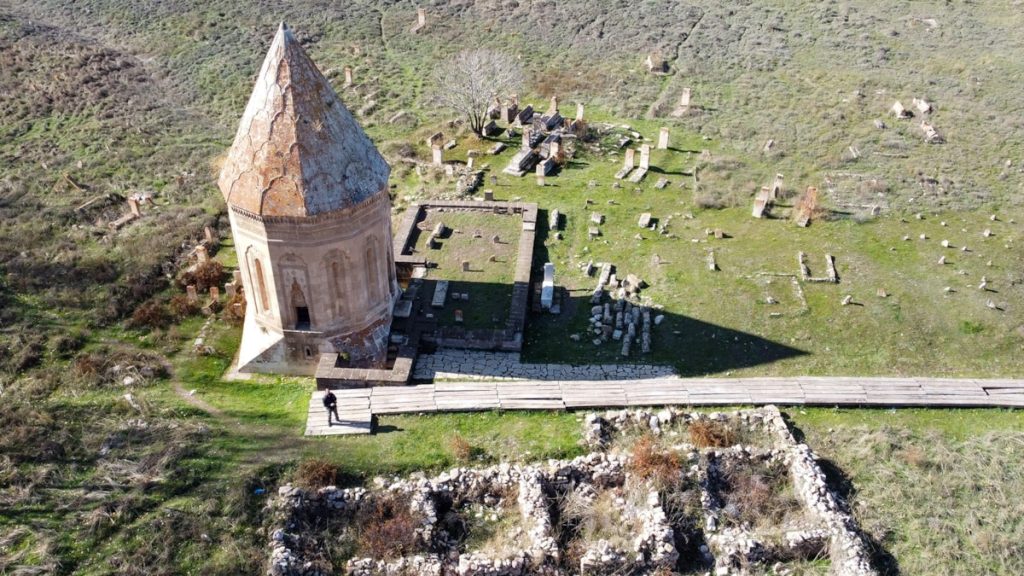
x=498, y=366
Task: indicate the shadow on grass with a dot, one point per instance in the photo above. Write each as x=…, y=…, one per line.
x=681, y=345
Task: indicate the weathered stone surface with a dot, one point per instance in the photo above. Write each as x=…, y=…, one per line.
x=298, y=151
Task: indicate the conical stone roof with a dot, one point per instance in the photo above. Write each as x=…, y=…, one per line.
x=298, y=151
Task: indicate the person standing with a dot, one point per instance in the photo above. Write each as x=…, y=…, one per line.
x=331, y=404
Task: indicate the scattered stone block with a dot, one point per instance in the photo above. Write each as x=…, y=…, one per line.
x=931, y=135
x=922, y=105
x=900, y=112
x=645, y=220
x=627, y=165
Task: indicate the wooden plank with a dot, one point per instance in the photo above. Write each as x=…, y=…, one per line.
x=532, y=405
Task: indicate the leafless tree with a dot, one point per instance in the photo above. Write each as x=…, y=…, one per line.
x=469, y=82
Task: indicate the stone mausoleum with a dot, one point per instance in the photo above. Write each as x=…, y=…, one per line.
x=307, y=197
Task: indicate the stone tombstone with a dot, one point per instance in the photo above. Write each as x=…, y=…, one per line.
x=469, y=163
x=540, y=174
x=437, y=156
x=348, y=76
x=645, y=156
x=663, y=138
x=191, y=293
x=776, y=190
x=554, y=150
x=547, y=287
x=230, y=288
x=630, y=159
x=236, y=276
x=209, y=234
x=133, y=205
x=421, y=17
x=489, y=195
x=465, y=265
x=496, y=239
x=511, y=111
x=214, y=293
x=201, y=254
x=579, y=111
x=553, y=107
x=684, y=98
x=527, y=133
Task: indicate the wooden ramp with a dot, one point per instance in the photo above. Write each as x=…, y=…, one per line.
x=356, y=406
x=353, y=410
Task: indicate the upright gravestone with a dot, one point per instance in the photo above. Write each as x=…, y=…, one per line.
x=663, y=138
x=547, y=287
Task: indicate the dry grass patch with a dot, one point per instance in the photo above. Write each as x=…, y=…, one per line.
x=653, y=463
x=314, y=473
x=756, y=493
x=712, y=434
x=387, y=529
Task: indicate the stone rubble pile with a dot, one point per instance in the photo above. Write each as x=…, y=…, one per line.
x=625, y=319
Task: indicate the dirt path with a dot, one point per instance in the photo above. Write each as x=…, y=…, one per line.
x=197, y=402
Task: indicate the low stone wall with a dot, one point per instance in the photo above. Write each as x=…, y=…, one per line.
x=509, y=339
x=330, y=375
x=824, y=528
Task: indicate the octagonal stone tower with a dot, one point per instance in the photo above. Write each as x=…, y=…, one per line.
x=307, y=197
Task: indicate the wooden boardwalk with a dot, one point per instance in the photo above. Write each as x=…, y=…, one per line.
x=357, y=406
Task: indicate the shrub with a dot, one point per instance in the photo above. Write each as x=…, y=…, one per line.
x=67, y=344
x=755, y=492
x=709, y=434
x=181, y=307
x=235, y=308
x=461, y=449
x=151, y=314
x=314, y=473
x=204, y=275
x=388, y=530
x=969, y=327
x=651, y=462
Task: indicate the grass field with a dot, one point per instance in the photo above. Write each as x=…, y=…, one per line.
x=491, y=264
x=105, y=98
x=720, y=322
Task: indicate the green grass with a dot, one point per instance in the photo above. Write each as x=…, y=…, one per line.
x=127, y=100
x=919, y=329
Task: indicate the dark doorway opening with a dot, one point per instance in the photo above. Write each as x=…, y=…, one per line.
x=302, y=318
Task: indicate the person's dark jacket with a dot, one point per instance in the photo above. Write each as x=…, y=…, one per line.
x=330, y=400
